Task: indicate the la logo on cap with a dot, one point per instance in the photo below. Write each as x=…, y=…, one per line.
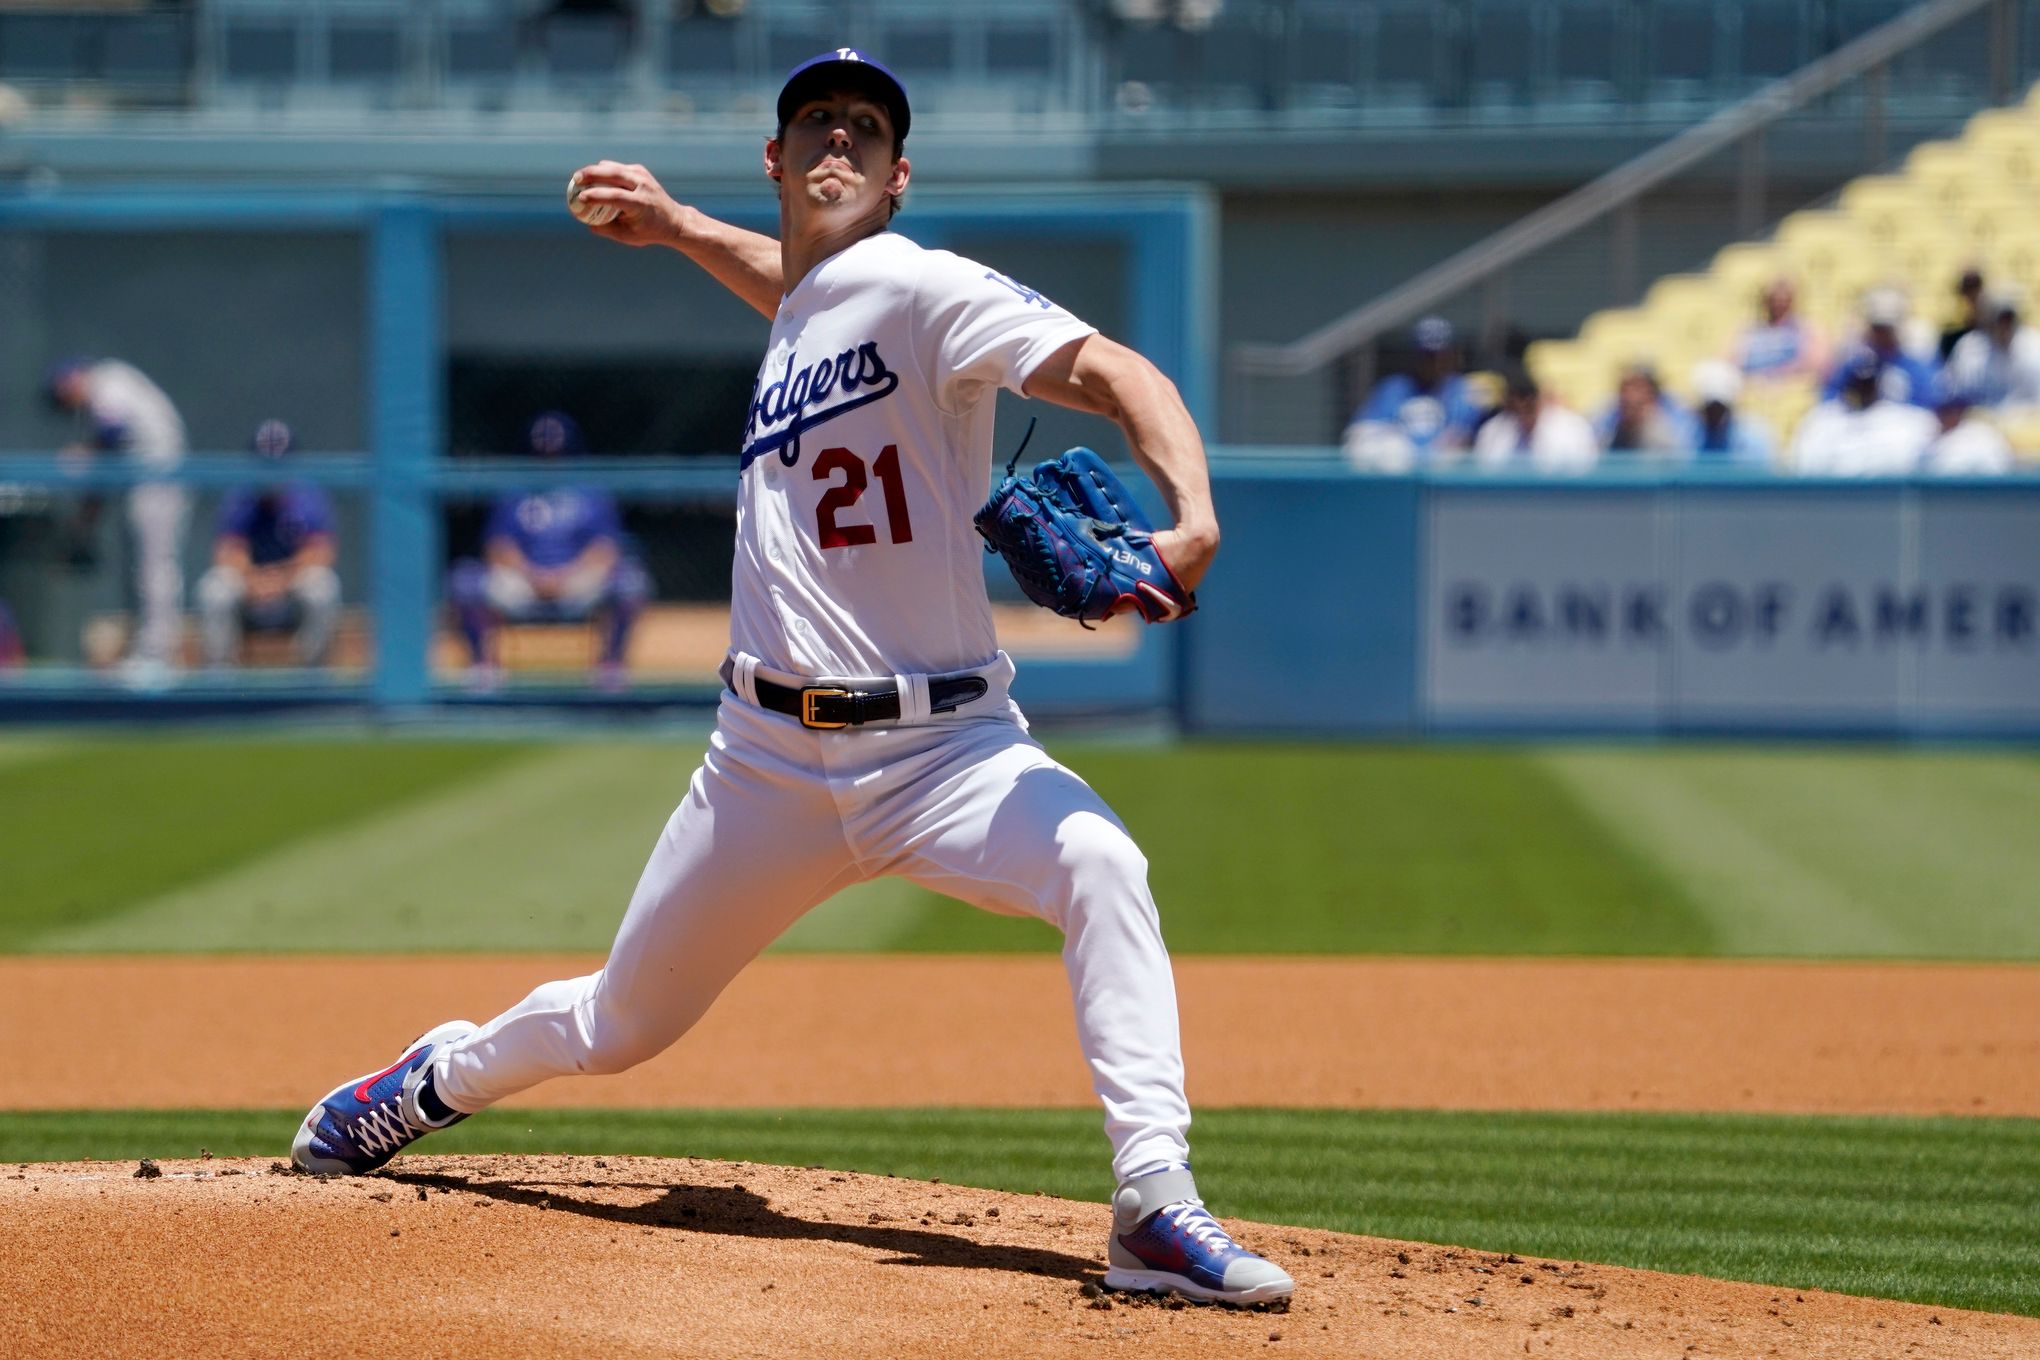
x=847, y=54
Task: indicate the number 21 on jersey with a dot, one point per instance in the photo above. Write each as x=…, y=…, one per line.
x=841, y=496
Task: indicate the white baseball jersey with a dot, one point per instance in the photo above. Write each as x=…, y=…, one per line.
x=133, y=415
x=866, y=454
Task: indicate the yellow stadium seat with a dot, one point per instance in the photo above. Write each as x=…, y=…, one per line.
x=1781, y=405
x=1620, y=334
x=1829, y=255
x=1947, y=173
x=1690, y=318
x=1744, y=270
x=1887, y=207
x=1990, y=222
x=1929, y=263
x=2022, y=431
x=1566, y=371
x=2007, y=142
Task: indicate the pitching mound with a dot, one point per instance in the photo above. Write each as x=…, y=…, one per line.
x=578, y=1256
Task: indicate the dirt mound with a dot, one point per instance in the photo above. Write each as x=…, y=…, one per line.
x=579, y=1256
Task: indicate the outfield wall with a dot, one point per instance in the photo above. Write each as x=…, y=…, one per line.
x=1680, y=605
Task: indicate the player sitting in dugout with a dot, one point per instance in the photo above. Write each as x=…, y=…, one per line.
x=272, y=568
x=551, y=556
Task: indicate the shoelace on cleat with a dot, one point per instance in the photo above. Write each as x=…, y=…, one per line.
x=1196, y=1223
x=382, y=1129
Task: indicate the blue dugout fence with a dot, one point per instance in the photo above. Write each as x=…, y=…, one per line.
x=1167, y=236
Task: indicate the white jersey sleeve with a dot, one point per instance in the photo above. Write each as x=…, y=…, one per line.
x=977, y=330
x=133, y=415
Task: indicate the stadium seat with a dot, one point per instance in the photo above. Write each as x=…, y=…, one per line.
x=1621, y=335
x=1569, y=372
x=1744, y=270
x=584, y=47
x=142, y=49
x=2008, y=140
x=1886, y=207
x=1019, y=50
x=1830, y=256
x=1947, y=174
x=485, y=50
x=365, y=52
x=701, y=48
x=42, y=46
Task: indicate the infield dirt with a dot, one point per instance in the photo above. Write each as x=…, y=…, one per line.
x=874, y=1030
x=572, y=1256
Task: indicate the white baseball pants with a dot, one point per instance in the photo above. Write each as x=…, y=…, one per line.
x=780, y=817
x=156, y=513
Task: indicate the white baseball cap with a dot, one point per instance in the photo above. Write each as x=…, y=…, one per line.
x=1716, y=380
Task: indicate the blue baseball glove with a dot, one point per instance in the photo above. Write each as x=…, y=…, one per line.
x=1077, y=542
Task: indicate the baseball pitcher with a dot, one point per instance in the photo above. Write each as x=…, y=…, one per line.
x=866, y=727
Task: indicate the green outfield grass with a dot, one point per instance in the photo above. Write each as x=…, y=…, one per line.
x=1938, y=1211
x=293, y=844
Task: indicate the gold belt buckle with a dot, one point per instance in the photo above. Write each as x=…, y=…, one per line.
x=807, y=706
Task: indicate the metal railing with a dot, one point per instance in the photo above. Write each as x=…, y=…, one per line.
x=1266, y=63
x=1739, y=129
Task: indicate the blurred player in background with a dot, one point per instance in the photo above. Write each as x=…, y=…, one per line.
x=273, y=561
x=551, y=556
x=121, y=411
x=1416, y=417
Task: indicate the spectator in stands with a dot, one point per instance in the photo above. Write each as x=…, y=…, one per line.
x=1906, y=376
x=1998, y=363
x=1416, y=417
x=1863, y=431
x=1644, y=418
x=128, y=414
x=1968, y=308
x=1784, y=345
x=1722, y=435
x=272, y=568
x=1532, y=434
x=551, y=556
x=1968, y=445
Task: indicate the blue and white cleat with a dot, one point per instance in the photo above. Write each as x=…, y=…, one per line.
x=363, y=1124
x=1165, y=1241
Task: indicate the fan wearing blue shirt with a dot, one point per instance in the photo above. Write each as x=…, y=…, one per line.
x=552, y=555
x=1420, y=416
x=1903, y=375
x=272, y=568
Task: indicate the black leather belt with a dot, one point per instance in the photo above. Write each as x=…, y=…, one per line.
x=826, y=707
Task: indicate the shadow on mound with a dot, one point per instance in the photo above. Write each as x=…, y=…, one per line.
x=736, y=1212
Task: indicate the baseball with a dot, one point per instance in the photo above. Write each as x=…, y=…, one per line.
x=594, y=214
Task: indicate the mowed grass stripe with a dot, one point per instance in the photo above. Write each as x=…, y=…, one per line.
x=1838, y=853
x=290, y=844
x=99, y=826
x=541, y=854
x=1256, y=848
x=1937, y=1211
